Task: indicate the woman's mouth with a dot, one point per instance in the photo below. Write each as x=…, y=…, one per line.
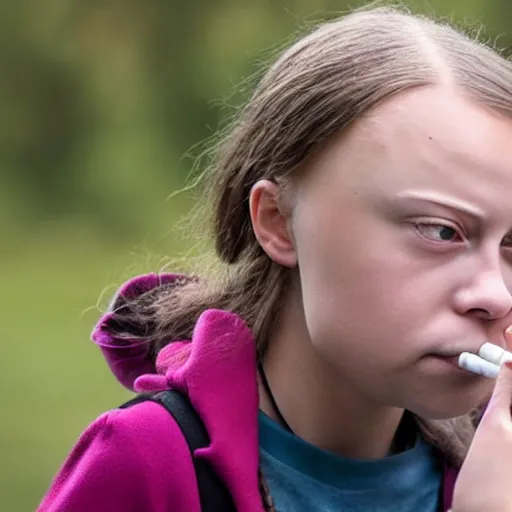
x=447, y=363
x=450, y=360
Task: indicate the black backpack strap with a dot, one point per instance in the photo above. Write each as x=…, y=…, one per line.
x=213, y=495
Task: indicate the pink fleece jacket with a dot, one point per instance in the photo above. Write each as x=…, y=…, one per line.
x=136, y=459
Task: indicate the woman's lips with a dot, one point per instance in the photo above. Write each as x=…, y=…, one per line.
x=449, y=359
x=452, y=361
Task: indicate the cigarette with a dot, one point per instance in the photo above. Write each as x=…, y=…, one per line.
x=494, y=354
x=488, y=361
x=478, y=365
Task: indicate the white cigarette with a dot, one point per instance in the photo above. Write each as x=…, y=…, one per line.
x=476, y=364
x=494, y=354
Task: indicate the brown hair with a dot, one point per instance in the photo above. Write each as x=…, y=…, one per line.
x=315, y=89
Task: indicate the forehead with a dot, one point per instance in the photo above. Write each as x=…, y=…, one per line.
x=430, y=140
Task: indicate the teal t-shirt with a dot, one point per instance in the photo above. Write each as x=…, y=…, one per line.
x=304, y=478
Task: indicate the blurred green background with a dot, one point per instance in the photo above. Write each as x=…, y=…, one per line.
x=102, y=105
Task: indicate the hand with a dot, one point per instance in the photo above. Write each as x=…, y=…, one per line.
x=484, y=483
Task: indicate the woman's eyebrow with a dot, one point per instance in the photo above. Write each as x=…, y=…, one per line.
x=444, y=201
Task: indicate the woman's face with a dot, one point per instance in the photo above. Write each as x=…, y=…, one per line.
x=403, y=235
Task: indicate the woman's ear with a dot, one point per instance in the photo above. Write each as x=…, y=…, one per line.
x=271, y=223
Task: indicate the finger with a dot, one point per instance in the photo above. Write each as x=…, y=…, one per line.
x=501, y=398
x=508, y=337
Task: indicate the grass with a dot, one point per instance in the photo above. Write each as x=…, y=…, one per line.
x=54, y=379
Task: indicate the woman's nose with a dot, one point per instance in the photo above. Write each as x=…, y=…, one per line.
x=486, y=297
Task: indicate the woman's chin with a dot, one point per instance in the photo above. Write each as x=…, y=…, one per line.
x=446, y=411
x=444, y=400
x=449, y=407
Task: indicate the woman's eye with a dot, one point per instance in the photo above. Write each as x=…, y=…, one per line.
x=438, y=232
x=507, y=241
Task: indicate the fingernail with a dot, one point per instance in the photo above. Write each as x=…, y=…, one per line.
x=508, y=330
x=508, y=364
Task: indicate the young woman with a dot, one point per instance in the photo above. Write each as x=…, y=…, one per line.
x=362, y=210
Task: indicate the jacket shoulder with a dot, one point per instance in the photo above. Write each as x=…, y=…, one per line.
x=127, y=460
